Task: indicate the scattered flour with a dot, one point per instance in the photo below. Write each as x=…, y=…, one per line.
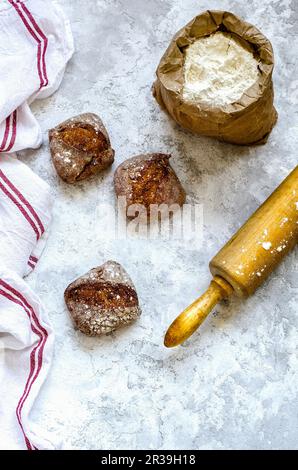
x=218, y=69
x=266, y=245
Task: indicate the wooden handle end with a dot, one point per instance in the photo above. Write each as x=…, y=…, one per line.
x=194, y=315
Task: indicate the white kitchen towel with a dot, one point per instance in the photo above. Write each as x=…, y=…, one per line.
x=35, y=45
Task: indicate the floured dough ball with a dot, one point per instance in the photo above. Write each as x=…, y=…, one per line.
x=80, y=147
x=148, y=179
x=102, y=300
x=218, y=69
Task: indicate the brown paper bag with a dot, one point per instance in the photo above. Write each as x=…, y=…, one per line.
x=246, y=121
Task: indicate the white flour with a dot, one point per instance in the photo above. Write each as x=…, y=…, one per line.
x=217, y=70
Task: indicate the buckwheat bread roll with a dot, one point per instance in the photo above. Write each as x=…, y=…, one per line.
x=147, y=180
x=80, y=147
x=215, y=79
x=102, y=300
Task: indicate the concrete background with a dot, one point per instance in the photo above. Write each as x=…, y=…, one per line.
x=234, y=383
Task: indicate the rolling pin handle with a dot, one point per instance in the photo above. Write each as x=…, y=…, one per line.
x=194, y=315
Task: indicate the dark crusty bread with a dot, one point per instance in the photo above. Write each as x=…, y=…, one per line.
x=102, y=300
x=80, y=147
x=148, y=179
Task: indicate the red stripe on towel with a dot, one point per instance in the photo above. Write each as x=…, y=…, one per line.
x=14, y=132
x=32, y=364
x=6, y=132
x=33, y=34
x=25, y=202
x=21, y=209
x=44, y=38
x=41, y=332
x=32, y=261
x=42, y=44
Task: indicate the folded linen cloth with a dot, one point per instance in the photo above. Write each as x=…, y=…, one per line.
x=35, y=45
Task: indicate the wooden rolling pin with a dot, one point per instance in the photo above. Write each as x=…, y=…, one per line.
x=243, y=264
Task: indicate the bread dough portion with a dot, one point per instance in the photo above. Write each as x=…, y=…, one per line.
x=218, y=69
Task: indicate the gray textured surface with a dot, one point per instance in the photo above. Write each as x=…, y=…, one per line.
x=234, y=384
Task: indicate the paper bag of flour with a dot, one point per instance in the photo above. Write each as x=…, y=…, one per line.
x=248, y=119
